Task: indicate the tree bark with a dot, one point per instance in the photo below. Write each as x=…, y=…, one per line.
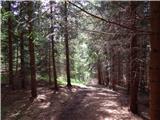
x=129, y=69
x=142, y=66
x=49, y=64
x=17, y=59
x=99, y=72
x=119, y=69
x=53, y=50
x=134, y=65
x=10, y=49
x=107, y=78
x=31, y=52
x=113, y=73
x=155, y=62
x=22, y=60
x=67, y=46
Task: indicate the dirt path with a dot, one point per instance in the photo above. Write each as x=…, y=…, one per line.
x=80, y=103
x=94, y=103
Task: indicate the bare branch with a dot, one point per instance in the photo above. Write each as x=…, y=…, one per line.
x=111, y=22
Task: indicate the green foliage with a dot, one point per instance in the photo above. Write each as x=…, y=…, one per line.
x=80, y=70
x=85, y=44
x=62, y=81
x=3, y=78
x=42, y=77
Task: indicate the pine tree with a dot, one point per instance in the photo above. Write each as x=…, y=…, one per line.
x=67, y=45
x=155, y=62
x=53, y=50
x=31, y=52
x=10, y=48
x=22, y=60
x=134, y=64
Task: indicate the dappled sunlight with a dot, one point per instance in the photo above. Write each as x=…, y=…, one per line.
x=44, y=105
x=14, y=114
x=91, y=102
x=103, y=94
x=109, y=103
x=80, y=60
x=41, y=97
x=80, y=85
x=80, y=103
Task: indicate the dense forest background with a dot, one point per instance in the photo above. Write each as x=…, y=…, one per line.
x=82, y=43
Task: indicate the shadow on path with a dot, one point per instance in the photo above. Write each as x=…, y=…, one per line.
x=95, y=103
x=92, y=102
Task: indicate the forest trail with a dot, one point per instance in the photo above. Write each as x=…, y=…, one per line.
x=92, y=102
x=96, y=103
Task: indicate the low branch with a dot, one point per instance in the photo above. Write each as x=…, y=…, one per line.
x=111, y=22
x=112, y=33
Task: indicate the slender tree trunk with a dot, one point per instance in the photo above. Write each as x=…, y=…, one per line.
x=102, y=74
x=106, y=74
x=110, y=70
x=134, y=79
x=119, y=69
x=17, y=58
x=67, y=46
x=113, y=73
x=58, y=66
x=31, y=52
x=53, y=50
x=129, y=70
x=99, y=72
x=128, y=78
x=22, y=60
x=155, y=62
x=49, y=63
x=107, y=78
x=134, y=65
x=10, y=49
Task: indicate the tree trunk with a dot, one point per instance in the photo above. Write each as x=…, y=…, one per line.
x=134, y=79
x=49, y=63
x=134, y=65
x=31, y=52
x=53, y=50
x=17, y=59
x=67, y=47
x=129, y=70
x=22, y=60
x=10, y=49
x=107, y=78
x=119, y=69
x=99, y=72
x=155, y=62
x=113, y=73
x=110, y=70
x=142, y=67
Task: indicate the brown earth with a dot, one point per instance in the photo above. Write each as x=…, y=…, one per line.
x=78, y=103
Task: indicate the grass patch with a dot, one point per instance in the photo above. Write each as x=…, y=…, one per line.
x=62, y=81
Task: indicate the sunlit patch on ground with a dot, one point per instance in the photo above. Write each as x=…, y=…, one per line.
x=45, y=105
x=78, y=103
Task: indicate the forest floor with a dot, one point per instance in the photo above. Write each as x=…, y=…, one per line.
x=92, y=102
